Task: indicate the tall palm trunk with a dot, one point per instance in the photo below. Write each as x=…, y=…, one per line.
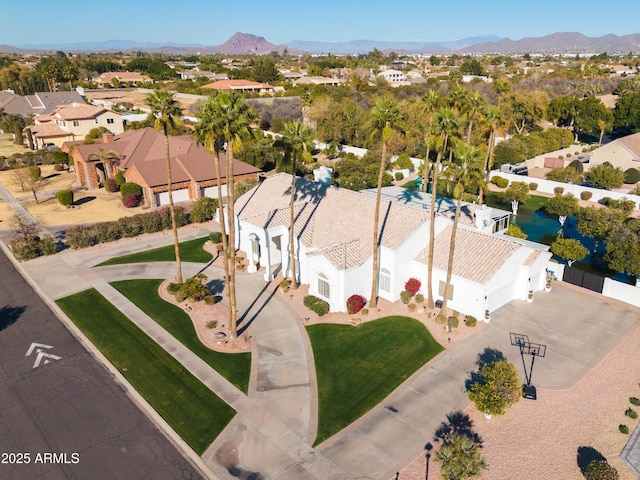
x=172, y=211
x=232, y=245
x=223, y=227
x=432, y=226
x=425, y=171
x=487, y=160
x=376, y=222
x=292, y=250
x=452, y=249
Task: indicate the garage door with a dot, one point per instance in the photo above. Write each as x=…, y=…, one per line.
x=212, y=192
x=500, y=296
x=181, y=195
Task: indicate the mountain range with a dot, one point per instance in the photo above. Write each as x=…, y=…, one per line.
x=244, y=43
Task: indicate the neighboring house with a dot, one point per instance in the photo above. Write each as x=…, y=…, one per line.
x=243, y=86
x=72, y=122
x=141, y=155
x=394, y=77
x=318, y=80
x=333, y=231
x=106, y=79
x=623, y=152
x=195, y=74
x=40, y=103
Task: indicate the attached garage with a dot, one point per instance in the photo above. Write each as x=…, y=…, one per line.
x=181, y=195
x=212, y=192
x=500, y=296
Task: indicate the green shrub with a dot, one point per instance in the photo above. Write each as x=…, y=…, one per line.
x=569, y=155
x=623, y=429
x=28, y=248
x=215, y=237
x=453, y=322
x=81, y=237
x=210, y=300
x=364, y=311
x=533, y=186
x=441, y=319
x=35, y=172
x=65, y=197
x=193, y=288
x=631, y=176
x=150, y=222
x=470, y=321
x=585, y=195
x=399, y=176
x=316, y=305
x=558, y=190
x=174, y=288
x=634, y=401
x=499, y=181
x=600, y=470
x=107, y=231
x=120, y=178
x=405, y=296
x=131, y=189
x=631, y=413
x=285, y=283
x=419, y=298
x=576, y=165
x=203, y=209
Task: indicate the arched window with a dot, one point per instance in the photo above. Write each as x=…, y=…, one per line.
x=324, y=289
x=385, y=280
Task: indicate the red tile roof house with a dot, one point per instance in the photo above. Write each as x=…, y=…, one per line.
x=72, y=122
x=141, y=155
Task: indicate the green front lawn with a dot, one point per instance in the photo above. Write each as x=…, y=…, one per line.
x=190, y=251
x=144, y=294
x=193, y=411
x=535, y=202
x=357, y=367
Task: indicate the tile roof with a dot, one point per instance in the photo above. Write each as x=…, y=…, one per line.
x=47, y=130
x=237, y=85
x=78, y=111
x=46, y=102
x=478, y=256
x=329, y=221
x=631, y=142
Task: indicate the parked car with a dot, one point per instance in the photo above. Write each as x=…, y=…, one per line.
x=50, y=147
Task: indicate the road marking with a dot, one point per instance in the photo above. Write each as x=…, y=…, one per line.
x=42, y=355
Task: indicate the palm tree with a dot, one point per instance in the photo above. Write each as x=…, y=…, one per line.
x=460, y=457
x=475, y=103
x=108, y=158
x=466, y=170
x=445, y=123
x=167, y=115
x=492, y=117
x=385, y=118
x=208, y=133
x=297, y=145
x=431, y=100
x=235, y=120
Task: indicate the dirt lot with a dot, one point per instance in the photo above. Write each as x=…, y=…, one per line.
x=89, y=206
x=8, y=148
x=136, y=98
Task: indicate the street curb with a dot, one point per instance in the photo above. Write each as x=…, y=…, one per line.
x=181, y=446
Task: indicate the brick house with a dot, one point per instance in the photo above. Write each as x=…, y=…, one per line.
x=141, y=155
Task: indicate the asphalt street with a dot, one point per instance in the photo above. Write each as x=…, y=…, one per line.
x=62, y=416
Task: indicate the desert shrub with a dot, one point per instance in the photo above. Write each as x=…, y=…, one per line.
x=499, y=181
x=215, y=237
x=364, y=311
x=316, y=305
x=151, y=222
x=399, y=176
x=558, y=190
x=174, y=288
x=131, y=189
x=585, y=195
x=355, y=303
x=210, y=299
x=110, y=185
x=634, y=401
x=533, y=186
x=81, y=237
x=405, y=296
x=623, y=429
x=600, y=470
x=203, y=209
x=285, y=283
x=211, y=324
x=107, y=231
x=568, y=154
x=31, y=247
x=58, y=167
x=129, y=226
x=120, y=178
x=182, y=218
x=130, y=200
x=453, y=322
x=65, y=197
x=441, y=319
x=193, y=288
x=35, y=172
x=419, y=298
x=470, y=321
x=412, y=286
x=631, y=413
x=631, y=175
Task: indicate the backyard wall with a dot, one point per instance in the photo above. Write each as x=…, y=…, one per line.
x=621, y=291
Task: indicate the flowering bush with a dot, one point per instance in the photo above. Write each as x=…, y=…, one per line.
x=412, y=286
x=355, y=303
x=130, y=200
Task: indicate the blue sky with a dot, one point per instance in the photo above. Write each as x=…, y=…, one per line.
x=212, y=22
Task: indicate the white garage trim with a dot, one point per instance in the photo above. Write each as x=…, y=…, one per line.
x=181, y=195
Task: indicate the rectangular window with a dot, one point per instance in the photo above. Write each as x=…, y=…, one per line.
x=76, y=123
x=441, y=286
x=110, y=121
x=324, y=288
x=385, y=281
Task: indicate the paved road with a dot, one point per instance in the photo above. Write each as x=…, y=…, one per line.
x=70, y=406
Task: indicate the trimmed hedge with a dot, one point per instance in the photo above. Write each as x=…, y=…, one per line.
x=65, y=197
x=585, y=195
x=533, y=186
x=203, y=209
x=558, y=190
x=399, y=176
x=33, y=247
x=131, y=189
x=470, y=321
x=576, y=165
x=215, y=237
x=631, y=176
x=103, y=232
x=316, y=305
x=500, y=182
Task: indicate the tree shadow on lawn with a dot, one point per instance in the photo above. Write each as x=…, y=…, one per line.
x=487, y=357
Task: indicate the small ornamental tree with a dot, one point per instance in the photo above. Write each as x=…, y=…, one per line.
x=497, y=388
x=605, y=176
x=203, y=209
x=563, y=206
x=569, y=249
x=516, y=193
x=355, y=303
x=460, y=457
x=514, y=230
x=412, y=286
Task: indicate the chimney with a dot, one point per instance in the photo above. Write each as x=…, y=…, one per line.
x=107, y=137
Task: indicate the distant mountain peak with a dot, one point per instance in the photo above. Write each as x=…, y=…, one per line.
x=247, y=43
